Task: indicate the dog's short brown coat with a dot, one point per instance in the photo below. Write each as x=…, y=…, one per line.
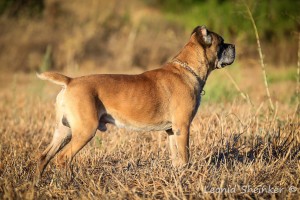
x=162, y=99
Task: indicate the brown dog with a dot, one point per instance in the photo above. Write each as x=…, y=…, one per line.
x=162, y=99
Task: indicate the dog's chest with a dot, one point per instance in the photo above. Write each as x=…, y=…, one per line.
x=198, y=102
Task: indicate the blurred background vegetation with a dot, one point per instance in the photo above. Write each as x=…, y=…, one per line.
x=143, y=34
x=130, y=36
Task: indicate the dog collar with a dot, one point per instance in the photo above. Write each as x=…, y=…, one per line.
x=187, y=67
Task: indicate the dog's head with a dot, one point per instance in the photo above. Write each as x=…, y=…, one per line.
x=217, y=53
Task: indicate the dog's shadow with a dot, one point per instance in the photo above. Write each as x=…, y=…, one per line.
x=266, y=149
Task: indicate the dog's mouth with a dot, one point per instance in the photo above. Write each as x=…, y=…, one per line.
x=221, y=65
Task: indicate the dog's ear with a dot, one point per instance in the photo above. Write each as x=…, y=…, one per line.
x=203, y=35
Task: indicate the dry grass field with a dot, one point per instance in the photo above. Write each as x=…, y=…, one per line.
x=238, y=150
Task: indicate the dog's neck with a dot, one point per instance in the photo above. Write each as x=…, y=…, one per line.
x=188, y=68
x=192, y=56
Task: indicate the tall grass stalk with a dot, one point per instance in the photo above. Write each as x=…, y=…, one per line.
x=46, y=64
x=262, y=64
x=243, y=95
x=298, y=74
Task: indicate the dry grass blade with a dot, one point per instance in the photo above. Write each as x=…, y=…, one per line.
x=262, y=64
x=298, y=77
x=243, y=95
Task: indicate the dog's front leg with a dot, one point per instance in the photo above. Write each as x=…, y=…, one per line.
x=179, y=145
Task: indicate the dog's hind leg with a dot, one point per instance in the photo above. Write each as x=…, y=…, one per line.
x=83, y=125
x=61, y=137
x=80, y=137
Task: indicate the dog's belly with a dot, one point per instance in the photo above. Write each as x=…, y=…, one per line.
x=132, y=124
x=144, y=127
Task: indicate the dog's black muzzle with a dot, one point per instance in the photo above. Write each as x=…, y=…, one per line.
x=226, y=55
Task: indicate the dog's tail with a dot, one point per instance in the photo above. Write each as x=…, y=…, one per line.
x=54, y=77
